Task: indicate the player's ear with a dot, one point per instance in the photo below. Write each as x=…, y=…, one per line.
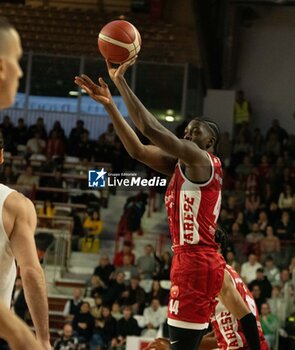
x=1, y=156
x=211, y=142
x=2, y=70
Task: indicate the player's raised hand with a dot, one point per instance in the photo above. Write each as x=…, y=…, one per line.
x=118, y=72
x=99, y=93
x=158, y=344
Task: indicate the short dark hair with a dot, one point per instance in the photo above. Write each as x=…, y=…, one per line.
x=213, y=128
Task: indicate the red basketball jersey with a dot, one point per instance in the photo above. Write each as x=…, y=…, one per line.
x=192, y=208
x=227, y=328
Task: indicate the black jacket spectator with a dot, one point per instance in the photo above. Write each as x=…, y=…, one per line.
x=104, y=269
x=83, y=322
x=263, y=282
x=115, y=289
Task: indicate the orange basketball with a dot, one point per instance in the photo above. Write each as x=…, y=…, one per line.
x=119, y=41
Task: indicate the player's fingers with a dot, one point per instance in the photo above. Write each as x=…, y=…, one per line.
x=87, y=89
x=88, y=80
x=109, y=64
x=102, y=83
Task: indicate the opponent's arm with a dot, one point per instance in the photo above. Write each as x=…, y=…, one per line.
x=16, y=332
x=150, y=155
x=235, y=304
x=149, y=126
x=24, y=249
x=209, y=342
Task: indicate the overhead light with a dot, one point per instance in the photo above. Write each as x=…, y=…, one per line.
x=170, y=112
x=73, y=93
x=169, y=118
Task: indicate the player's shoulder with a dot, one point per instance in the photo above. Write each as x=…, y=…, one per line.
x=16, y=203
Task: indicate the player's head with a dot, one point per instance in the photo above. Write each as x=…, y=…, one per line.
x=10, y=70
x=204, y=132
x=221, y=238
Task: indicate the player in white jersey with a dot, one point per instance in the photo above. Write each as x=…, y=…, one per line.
x=17, y=213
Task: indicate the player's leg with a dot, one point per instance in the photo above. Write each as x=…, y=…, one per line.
x=181, y=339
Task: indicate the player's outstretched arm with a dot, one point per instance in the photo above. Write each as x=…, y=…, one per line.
x=235, y=304
x=149, y=126
x=22, y=210
x=16, y=332
x=150, y=155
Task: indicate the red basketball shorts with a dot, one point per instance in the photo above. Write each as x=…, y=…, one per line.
x=196, y=279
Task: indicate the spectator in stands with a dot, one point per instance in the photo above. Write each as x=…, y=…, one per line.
x=55, y=147
x=39, y=128
x=255, y=236
x=285, y=228
x=154, y=317
x=97, y=308
x=28, y=178
x=93, y=224
x=164, y=266
x=75, y=134
x=84, y=147
x=263, y=282
x=224, y=148
x=146, y=263
x=264, y=166
x=278, y=305
x=272, y=146
x=95, y=287
x=116, y=311
x=157, y=292
x=47, y=209
x=128, y=269
x=57, y=128
x=115, y=289
x=19, y=305
x=249, y=268
x=252, y=204
x=269, y=196
x=127, y=325
x=257, y=141
x=271, y=270
x=8, y=176
x=126, y=250
x=241, y=147
x=110, y=136
x=262, y=221
x=286, y=198
x=244, y=169
x=242, y=222
x=105, y=330
x=83, y=323
x=225, y=220
x=231, y=261
x=238, y=240
x=276, y=129
x=36, y=145
x=286, y=284
x=104, y=270
x=134, y=296
x=67, y=341
x=72, y=305
x=270, y=324
x=7, y=130
x=269, y=245
x=242, y=111
x=20, y=133
x=256, y=292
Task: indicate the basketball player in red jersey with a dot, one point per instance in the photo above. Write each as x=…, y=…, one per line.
x=227, y=332
x=193, y=202
x=17, y=213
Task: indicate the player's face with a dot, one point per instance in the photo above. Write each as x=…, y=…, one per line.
x=197, y=132
x=10, y=70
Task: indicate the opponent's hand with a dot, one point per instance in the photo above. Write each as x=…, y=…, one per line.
x=117, y=73
x=99, y=93
x=158, y=344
